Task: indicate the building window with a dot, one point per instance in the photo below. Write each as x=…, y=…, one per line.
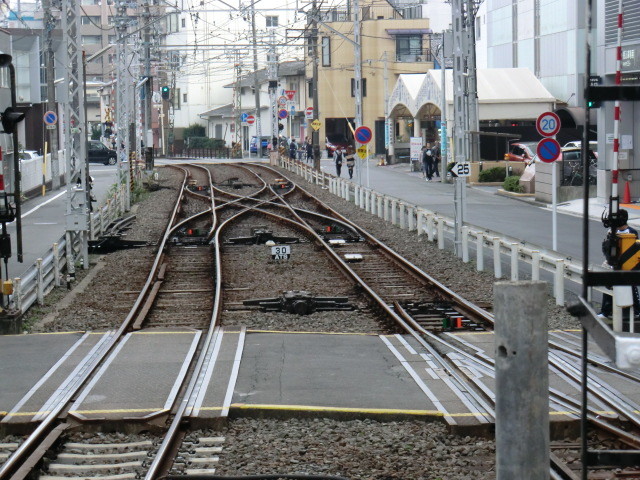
x=272, y=20
x=326, y=51
x=183, y=22
x=184, y=98
x=91, y=20
x=91, y=39
x=113, y=57
x=310, y=88
x=409, y=48
x=363, y=87
x=478, y=28
x=112, y=39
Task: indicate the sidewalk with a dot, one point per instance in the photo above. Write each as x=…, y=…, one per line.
x=573, y=207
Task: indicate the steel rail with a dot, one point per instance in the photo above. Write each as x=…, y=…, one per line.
x=22, y=453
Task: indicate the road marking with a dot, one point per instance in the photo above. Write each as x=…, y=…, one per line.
x=43, y=204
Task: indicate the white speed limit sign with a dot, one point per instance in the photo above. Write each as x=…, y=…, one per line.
x=281, y=252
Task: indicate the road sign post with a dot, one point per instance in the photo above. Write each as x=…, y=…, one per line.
x=548, y=125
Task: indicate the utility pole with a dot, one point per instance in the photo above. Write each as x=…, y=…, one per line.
x=123, y=99
x=272, y=75
x=77, y=212
x=315, y=134
x=461, y=127
x=148, y=85
x=49, y=25
x=472, y=81
x=357, y=70
x=357, y=67
x=256, y=83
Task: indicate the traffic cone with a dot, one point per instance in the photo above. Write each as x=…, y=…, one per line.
x=627, y=193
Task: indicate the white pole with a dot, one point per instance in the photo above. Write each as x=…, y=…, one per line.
x=554, y=202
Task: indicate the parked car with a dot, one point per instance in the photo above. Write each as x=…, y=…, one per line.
x=29, y=154
x=264, y=142
x=521, y=152
x=335, y=140
x=593, y=146
x=98, y=152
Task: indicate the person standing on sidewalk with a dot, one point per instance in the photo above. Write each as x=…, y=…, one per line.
x=351, y=161
x=338, y=157
x=437, y=157
x=427, y=162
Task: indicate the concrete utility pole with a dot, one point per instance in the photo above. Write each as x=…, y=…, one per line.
x=315, y=134
x=148, y=86
x=357, y=66
x=272, y=75
x=49, y=25
x=77, y=214
x=256, y=83
x=123, y=98
x=522, y=380
x=472, y=82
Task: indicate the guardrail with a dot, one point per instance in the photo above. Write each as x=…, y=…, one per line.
x=512, y=251
x=47, y=272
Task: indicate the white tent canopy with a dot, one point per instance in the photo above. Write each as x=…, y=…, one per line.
x=503, y=94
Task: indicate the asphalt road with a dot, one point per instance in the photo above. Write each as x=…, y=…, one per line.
x=43, y=220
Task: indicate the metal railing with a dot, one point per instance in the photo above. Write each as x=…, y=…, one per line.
x=518, y=255
x=48, y=271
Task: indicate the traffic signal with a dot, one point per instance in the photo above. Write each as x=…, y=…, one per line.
x=593, y=104
x=165, y=92
x=9, y=119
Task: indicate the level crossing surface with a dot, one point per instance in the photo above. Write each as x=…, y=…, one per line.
x=265, y=373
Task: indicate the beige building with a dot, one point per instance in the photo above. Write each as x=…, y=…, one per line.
x=393, y=42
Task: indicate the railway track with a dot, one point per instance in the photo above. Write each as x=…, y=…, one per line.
x=188, y=272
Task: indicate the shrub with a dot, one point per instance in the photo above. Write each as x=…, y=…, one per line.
x=512, y=184
x=194, y=130
x=204, y=142
x=495, y=174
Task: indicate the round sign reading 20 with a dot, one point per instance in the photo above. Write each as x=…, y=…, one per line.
x=548, y=124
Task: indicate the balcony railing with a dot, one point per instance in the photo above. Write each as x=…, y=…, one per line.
x=344, y=14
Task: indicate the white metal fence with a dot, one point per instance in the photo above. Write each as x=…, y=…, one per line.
x=48, y=271
x=518, y=255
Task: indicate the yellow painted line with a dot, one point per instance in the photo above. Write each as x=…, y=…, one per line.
x=630, y=205
x=121, y=410
x=26, y=414
x=45, y=333
x=313, y=333
x=144, y=332
x=312, y=408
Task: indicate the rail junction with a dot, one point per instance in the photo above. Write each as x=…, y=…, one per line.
x=220, y=330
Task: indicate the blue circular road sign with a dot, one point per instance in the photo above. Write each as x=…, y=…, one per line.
x=282, y=114
x=363, y=135
x=548, y=150
x=50, y=118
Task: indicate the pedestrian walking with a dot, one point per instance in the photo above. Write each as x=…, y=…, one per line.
x=351, y=161
x=293, y=149
x=437, y=158
x=427, y=162
x=309, y=148
x=338, y=157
